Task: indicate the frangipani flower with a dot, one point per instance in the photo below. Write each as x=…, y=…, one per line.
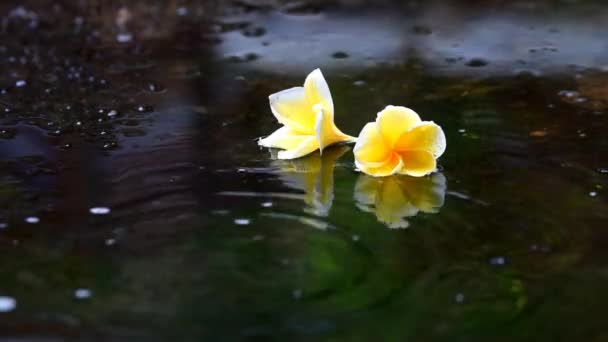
x=307, y=115
x=398, y=142
x=395, y=198
x=314, y=175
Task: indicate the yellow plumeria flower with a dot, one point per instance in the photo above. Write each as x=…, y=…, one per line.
x=399, y=143
x=307, y=114
x=395, y=198
x=314, y=175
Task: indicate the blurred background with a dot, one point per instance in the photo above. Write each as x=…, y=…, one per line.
x=136, y=205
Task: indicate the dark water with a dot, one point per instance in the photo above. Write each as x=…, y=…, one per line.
x=135, y=203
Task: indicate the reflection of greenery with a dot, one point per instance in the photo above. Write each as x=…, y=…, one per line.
x=313, y=174
x=394, y=198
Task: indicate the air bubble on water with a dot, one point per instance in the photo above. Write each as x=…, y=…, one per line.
x=20, y=83
x=258, y=237
x=603, y=170
x=462, y=130
x=359, y=83
x=32, y=219
x=297, y=293
x=592, y=193
x=242, y=221
x=82, y=293
x=356, y=237
x=99, y=210
x=112, y=113
x=7, y=304
x=3, y=225
x=267, y=204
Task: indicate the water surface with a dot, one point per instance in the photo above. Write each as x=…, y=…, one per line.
x=135, y=203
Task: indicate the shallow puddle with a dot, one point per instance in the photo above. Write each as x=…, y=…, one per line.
x=135, y=203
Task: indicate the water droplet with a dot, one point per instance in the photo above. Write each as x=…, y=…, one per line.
x=419, y=29
x=603, y=170
x=110, y=145
x=82, y=293
x=568, y=93
x=462, y=130
x=355, y=237
x=7, y=304
x=20, y=83
x=297, y=294
x=267, y=204
x=477, y=62
x=32, y=219
x=459, y=298
x=154, y=87
x=112, y=113
x=242, y=221
x=359, y=83
x=251, y=57
x=124, y=37
x=182, y=11
x=498, y=261
x=110, y=242
x=100, y=210
x=144, y=109
x=593, y=194
x=254, y=32
x=340, y=55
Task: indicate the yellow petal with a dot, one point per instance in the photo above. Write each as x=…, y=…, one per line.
x=284, y=137
x=393, y=121
x=370, y=147
x=317, y=92
x=292, y=109
x=417, y=163
x=427, y=136
x=326, y=131
x=388, y=167
x=308, y=145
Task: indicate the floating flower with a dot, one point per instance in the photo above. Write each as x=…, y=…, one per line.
x=307, y=115
x=395, y=198
x=314, y=175
x=399, y=143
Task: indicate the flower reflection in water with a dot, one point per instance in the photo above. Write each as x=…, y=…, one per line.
x=314, y=175
x=395, y=198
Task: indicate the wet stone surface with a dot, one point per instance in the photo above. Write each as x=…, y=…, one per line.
x=135, y=203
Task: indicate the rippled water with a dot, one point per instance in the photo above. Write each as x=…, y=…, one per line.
x=135, y=203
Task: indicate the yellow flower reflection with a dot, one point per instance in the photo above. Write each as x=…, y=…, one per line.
x=398, y=142
x=314, y=175
x=307, y=115
x=395, y=198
